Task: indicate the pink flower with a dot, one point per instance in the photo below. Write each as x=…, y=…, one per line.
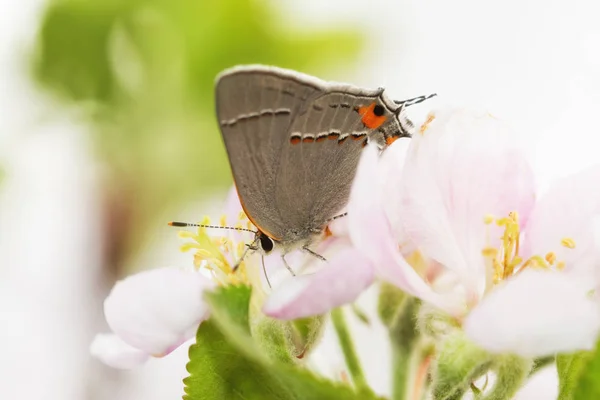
x=318, y=286
x=151, y=314
x=453, y=220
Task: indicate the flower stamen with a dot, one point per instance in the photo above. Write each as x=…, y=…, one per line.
x=217, y=254
x=568, y=243
x=425, y=125
x=506, y=261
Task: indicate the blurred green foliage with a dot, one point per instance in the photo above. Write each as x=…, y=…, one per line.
x=145, y=69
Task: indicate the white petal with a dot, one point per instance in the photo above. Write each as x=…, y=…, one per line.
x=341, y=281
x=391, y=165
x=462, y=168
x=372, y=234
x=157, y=310
x=535, y=313
x=543, y=385
x=114, y=352
x=567, y=210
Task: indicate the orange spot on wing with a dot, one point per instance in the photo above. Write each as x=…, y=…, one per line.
x=369, y=119
x=391, y=140
x=333, y=136
x=295, y=140
x=357, y=137
x=308, y=139
x=328, y=232
x=321, y=138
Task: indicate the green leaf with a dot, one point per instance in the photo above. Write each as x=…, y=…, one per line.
x=578, y=375
x=275, y=339
x=226, y=363
x=589, y=384
x=570, y=368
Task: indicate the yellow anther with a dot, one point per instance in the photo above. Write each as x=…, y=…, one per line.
x=203, y=254
x=425, y=125
x=503, y=221
x=560, y=265
x=514, y=216
x=489, y=252
x=551, y=258
x=488, y=219
x=188, y=246
x=515, y=263
x=242, y=216
x=540, y=262
x=223, y=220
x=568, y=243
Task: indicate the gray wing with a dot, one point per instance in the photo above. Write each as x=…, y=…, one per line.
x=326, y=140
x=255, y=107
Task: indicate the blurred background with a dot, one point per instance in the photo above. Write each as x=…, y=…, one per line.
x=107, y=131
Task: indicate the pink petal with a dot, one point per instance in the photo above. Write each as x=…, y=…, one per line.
x=390, y=168
x=157, y=310
x=372, y=234
x=568, y=209
x=344, y=277
x=462, y=168
x=114, y=352
x=535, y=313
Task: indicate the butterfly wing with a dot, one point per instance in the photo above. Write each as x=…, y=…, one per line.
x=255, y=106
x=321, y=156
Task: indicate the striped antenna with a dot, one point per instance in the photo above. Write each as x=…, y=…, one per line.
x=187, y=224
x=415, y=100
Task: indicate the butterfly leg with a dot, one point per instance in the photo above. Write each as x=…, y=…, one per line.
x=287, y=265
x=253, y=246
x=312, y=253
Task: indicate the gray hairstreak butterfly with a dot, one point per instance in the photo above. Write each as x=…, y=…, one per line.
x=294, y=142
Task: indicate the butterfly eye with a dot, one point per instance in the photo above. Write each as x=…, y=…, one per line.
x=378, y=110
x=266, y=243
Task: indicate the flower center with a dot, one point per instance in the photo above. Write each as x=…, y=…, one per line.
x=505, y=261
x=219, y=254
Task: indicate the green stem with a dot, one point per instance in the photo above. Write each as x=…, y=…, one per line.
x=352, y=361
x=406, y=352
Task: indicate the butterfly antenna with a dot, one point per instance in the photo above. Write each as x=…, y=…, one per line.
x=336, y=217
x=187, y=224
x=415, y=100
